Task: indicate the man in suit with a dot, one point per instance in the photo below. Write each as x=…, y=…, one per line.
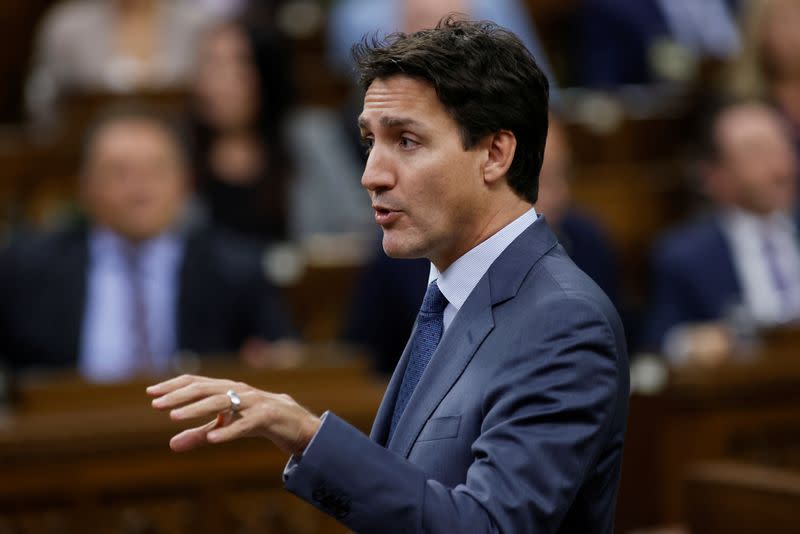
x=738, y=267
x=125, y=292
x=507, y=410
x=400, y=283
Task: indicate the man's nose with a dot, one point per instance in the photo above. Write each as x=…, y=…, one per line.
x=378, y=172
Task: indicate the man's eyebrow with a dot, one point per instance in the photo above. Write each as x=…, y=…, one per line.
x=389, y=122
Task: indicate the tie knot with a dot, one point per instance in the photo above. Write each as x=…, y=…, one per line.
x=434, y=301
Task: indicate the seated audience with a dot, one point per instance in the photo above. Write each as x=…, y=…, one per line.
x=242, y=165
x=769, y=66
x=113, y=45
x=738, y=267
x=133, y=286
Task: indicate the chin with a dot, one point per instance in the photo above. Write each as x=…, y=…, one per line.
x=396, y=248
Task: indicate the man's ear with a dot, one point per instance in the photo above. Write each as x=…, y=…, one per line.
x=501, y=147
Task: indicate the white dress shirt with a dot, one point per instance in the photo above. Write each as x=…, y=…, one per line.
x=761, y=296
x=107, y=348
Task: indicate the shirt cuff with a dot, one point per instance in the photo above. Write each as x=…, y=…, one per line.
x=295, y=459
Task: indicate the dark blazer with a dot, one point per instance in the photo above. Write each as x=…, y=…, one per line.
x=692, y=279
x=516, y=425
x=223, y=297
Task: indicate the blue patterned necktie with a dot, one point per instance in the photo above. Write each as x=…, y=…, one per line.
x=430, y=325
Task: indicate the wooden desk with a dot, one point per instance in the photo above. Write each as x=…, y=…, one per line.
x=745, y=410
x=90, y=458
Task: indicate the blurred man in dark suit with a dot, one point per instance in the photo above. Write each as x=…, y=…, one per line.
x=124, y=292
x=740, y=265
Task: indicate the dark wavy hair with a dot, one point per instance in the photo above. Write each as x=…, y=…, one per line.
x=485, y=78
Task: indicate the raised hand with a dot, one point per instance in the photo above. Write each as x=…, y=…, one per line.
x=260, y=413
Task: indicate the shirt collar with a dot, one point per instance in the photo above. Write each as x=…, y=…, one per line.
x=735, y=219
x=107, y=245
x=457, y=281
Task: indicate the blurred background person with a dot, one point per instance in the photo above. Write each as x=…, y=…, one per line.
x=242, y=95
x=126, y=291
x=581, y=236
x=619, y=42
x=769, y=66
x=118, y=46
x=739, y=266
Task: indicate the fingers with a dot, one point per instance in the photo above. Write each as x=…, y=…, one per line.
x=206, y=407
x=237, y=429
x=172, y=384
x=184, y=390
x=191, y=438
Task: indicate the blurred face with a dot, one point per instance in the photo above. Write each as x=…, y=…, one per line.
x=227, y=82
x=757, y=164
x=554, y=196
x=422, y=14
x=428, y=192
x=781, y=35
x=135, y=181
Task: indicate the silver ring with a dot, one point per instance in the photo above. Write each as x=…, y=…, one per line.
x=236, y=402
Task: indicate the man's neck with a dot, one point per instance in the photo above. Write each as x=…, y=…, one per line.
x=494, y=222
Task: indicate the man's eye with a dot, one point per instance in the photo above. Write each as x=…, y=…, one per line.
x=407, y=143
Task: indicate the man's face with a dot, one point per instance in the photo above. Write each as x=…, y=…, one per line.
x=135, y=182
x=757, y=159
x=428, y=193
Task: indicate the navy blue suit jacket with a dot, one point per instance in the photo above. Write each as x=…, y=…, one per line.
x=693, y=279
x=516, y=425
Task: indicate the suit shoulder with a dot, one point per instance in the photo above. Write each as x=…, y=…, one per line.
x=39, y=250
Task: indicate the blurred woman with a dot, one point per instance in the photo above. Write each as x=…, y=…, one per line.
x=119, y=46
x=242, y=95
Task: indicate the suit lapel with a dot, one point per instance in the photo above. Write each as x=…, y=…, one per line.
x=473, y=322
